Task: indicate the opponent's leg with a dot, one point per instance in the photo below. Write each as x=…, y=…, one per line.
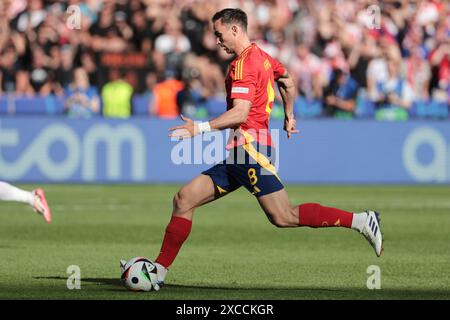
x=197, y=192
x=35, y=198
x=9, y=192
x=281, y=213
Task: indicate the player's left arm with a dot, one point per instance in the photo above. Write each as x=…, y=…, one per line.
x=287, y=91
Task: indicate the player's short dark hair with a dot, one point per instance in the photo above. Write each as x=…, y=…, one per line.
x=230, y=15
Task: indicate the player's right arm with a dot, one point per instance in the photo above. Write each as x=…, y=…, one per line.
x=243, y=89
x=233, y=117
x=288, y=92
x=230, y=119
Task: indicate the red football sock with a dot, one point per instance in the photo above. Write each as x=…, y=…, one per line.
x=177, y=232
x=315, y=215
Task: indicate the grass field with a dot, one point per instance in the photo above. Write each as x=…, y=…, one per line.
x=233, y=251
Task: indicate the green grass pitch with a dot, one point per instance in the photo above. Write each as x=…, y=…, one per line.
x=233, y=252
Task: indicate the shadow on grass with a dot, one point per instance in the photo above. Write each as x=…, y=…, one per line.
x=118, y=283
x=102, y=281
x=271, y=292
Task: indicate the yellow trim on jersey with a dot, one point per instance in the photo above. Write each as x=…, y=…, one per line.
x=270, y=96
x=239, y=68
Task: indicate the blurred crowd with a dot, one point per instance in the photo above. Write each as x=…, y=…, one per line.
x=98, y=54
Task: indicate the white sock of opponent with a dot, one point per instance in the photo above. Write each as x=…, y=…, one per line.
x=11, y=193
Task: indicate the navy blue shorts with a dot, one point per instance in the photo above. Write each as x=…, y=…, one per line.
x=248, y=165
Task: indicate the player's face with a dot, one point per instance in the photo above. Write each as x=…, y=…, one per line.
x=224, y=36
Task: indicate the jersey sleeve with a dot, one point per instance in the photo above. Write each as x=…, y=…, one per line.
x=277, y=67
x=244, y=80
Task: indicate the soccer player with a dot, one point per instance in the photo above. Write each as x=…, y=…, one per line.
x=36, y=198
x=250, y=86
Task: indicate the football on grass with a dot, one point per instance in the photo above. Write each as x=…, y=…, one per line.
x=139, y=274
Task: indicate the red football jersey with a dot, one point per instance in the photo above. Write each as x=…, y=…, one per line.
x=251, y=77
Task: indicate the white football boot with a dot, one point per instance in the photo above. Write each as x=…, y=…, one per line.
x=372, y=231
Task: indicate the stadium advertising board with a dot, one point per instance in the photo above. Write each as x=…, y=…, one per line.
x=139, y=151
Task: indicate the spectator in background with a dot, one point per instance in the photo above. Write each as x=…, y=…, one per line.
x=417, y=71
x=164, y=104
x=32, y=17
x=173, y=44
x=195, y=18
x=142, y=32
x=8, y=70
x=116, y=95
x=64, y=71
x=125, y=31
x=307, y=69
x=210, y=74
x=377, y=72
x=148, y=95
x=333, y=59
x=4, y=27
x=193, y=94
x=396, y=95
x=106, y=36
x=47, y=34
x=340, y=95
x=82, y=100
x=41, y=76
x=158, y=12
x=440, y=62
x=359, y=58
x=88, y=64
x=104, y=26
x=311, y=37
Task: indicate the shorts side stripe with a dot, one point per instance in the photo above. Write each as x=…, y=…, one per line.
x=261, y=159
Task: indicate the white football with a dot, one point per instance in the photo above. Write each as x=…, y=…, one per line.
x=139, y=274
